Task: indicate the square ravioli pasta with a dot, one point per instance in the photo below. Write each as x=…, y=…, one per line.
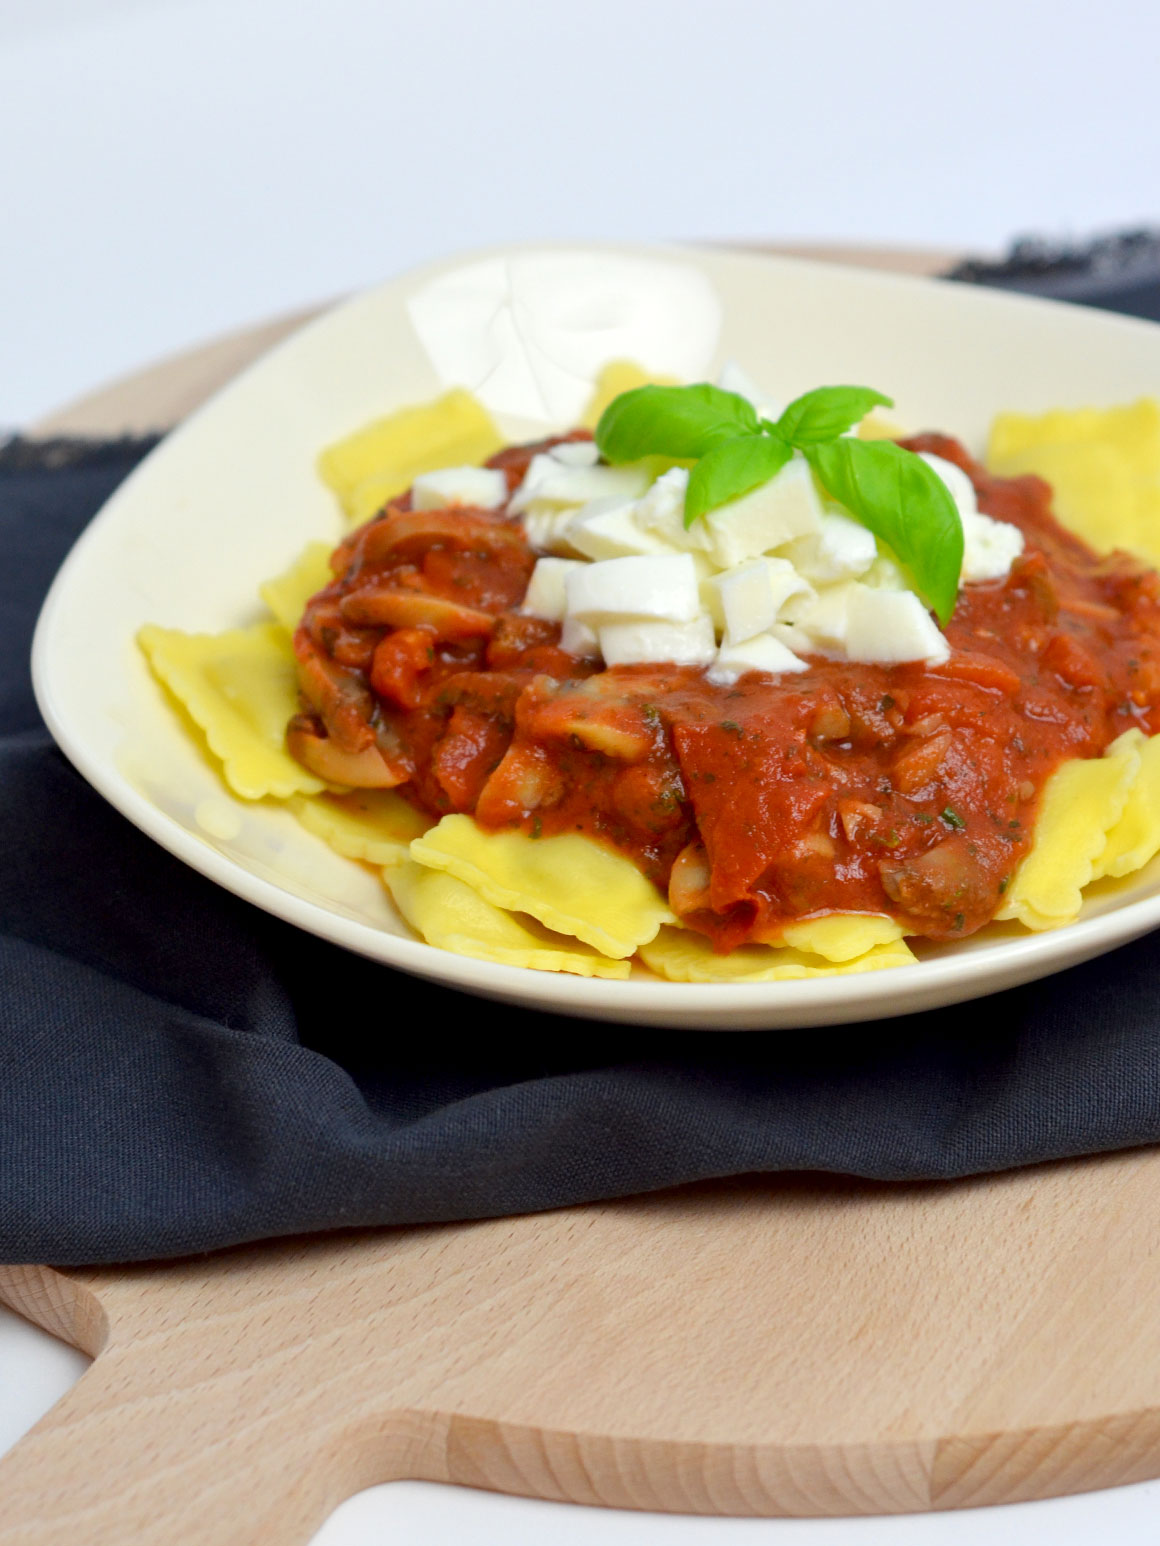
x=579, y=732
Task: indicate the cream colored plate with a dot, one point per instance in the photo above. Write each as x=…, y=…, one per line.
x=231, y=496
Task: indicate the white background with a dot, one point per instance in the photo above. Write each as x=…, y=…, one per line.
x=175, y=168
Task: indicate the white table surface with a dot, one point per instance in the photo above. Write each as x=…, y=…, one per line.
x=176, y=168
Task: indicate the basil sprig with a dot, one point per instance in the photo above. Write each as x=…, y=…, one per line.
x=732, y=465
x=903, y=501
x=682, y=422
x=890, y=490
x=827, y=412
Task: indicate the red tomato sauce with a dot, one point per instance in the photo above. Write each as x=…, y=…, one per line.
x=908, y=790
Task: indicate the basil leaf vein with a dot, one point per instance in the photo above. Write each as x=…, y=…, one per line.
x=906, y=503
x=681, y=422
x=731, y=469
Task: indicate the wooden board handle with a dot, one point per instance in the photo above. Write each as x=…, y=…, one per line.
x=180, y=1438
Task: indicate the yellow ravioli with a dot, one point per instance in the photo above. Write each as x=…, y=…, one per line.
x=374, y=825
x=1080, y=804
x=683, y=956
x=1132, y=430
x=617, y=377
x=287, y=594
x=879, y=426
x=1103, y=466
x=385, y=457
x=453, y=916
x=240, y=688
x=571, y=884
x=1135, y=838
x=840, y=936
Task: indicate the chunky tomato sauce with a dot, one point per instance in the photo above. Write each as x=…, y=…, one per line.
x=910, y=790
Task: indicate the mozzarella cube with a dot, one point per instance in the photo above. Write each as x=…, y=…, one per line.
x=575, y=453
x=820, y=621
x=751, y=595
x=546, y=595
x=662, y=511
x=662, y=586
x=710, y=594
x=485, y=488
x=786, y=507
x=990, y=547
x=885, y=573
x=763, y=653
x=607, y=528
x=578, y=639
x=958, y=485
x=746, y=600
x=842, y=550
x=547, y=530
x=549, y=482
x=634, y=643
x=887, y=627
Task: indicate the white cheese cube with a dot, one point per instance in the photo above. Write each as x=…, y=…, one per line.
x=958, y=485
x=885, y=573
x=887, y=627
x=576, y=453
x=483, y=487
x=547, y=530
x=546, y=595
x=795, y=639
x=842, y=550
x=786, y=507
x=752, y=594
x=710, y=594
x=607, y=528
x=662, y=586
x=549, y=482
x=637, y=643
x=662, y=511
x=990, y=547
x=746, y=600
x=764, y=653
x=578, y=639
x=820, y=621
x=787, y=583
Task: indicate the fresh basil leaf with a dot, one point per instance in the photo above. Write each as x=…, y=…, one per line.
x=906, y=503
x=683, y=422
x=827, y=412
x=732, y=469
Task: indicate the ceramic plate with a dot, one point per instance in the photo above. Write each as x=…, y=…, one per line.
x=229, y=498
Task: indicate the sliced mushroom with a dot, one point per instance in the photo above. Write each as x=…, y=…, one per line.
x=406, y=533
x=365, y=769
x=338, y=696
x=689, y=880
x=919, y=760
x=413, y=609
x=945, y=887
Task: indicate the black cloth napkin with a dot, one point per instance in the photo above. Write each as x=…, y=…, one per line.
x=176, y=1073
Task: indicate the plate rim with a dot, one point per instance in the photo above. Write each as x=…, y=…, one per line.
x=799, y=1003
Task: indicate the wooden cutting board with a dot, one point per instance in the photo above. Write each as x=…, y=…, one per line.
x=776, y=1346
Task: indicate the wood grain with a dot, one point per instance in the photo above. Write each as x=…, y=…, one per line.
x=787, y=1346
x=793, y=1345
